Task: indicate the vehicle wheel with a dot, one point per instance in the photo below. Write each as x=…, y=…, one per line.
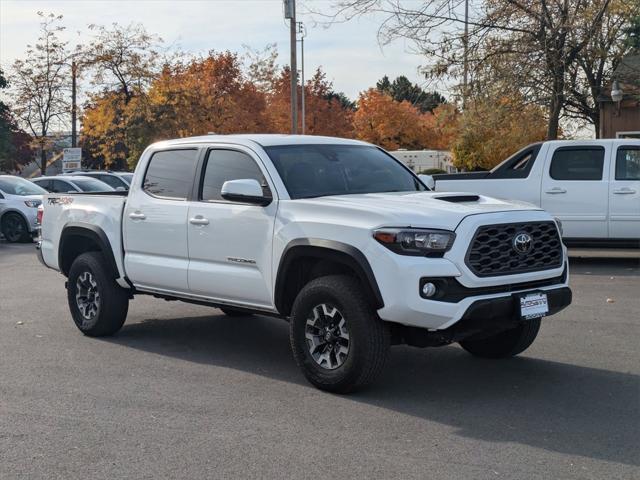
x=505, y=344
x=14, y=228
x=336, y=336
x=98, y=304
x=230, y=312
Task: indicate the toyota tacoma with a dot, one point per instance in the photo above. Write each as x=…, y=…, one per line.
x=335, y=236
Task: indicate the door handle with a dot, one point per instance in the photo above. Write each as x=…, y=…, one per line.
x=624, y=191
x=556, y=190
x=198, y=220
x=137, y=216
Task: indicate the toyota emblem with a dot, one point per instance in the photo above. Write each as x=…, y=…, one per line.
x=522, y=243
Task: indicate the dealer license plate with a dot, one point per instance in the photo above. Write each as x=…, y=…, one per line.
x=533, y=305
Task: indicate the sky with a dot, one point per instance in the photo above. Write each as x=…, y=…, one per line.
x=349, y=53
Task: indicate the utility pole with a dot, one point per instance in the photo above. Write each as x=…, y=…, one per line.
x=290, y=13
x=465, y=60
x=74, y=74
x=303, y=33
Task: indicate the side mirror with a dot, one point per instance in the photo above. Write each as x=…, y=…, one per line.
x=428, y=181
x=121, y=189
x=246, y=190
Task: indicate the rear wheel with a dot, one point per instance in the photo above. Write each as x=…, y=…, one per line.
x=98, y=304
x=337, y=339
x=505, y=344
x=15, y=228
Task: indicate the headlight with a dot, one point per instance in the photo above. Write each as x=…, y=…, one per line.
x=32, y=203
x=415, y=241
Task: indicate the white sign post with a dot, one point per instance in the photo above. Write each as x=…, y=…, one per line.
x=71, y=159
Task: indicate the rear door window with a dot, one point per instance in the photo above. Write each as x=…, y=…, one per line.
x=628, y=163
x=170, y=174
x=572, y=163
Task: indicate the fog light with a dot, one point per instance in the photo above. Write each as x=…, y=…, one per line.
x=429, y=289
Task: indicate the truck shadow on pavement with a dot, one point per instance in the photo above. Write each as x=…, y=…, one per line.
x=554, y=406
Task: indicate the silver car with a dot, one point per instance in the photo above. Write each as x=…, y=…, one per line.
x=72, y=184
x=119, y=181
x=19, y=201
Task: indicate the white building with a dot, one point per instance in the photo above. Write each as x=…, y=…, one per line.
x=419, y=160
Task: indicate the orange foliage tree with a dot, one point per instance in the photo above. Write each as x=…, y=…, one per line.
x=388, y=123
x=491, y=129
x=325, y=113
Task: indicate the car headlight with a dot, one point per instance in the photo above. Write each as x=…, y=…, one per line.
x=32, y=203
x=415, y=241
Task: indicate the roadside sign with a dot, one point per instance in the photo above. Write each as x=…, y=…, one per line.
x=72, y=159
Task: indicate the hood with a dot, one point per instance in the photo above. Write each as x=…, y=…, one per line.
x=420, y=209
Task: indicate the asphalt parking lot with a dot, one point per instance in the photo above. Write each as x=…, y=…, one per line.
x=186, y=392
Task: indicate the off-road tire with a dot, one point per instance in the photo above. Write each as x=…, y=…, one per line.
x=113, y=299
x=369, y=337
x=15, y=228
x=505, y=344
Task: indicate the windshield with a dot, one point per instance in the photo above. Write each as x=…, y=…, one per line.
x=91, y=185
x=319, y=170
x=19, y=186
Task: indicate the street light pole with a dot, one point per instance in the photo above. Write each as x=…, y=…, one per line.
x=290, y=13
x=465, y=59
x=74, y=74
x=302, y=35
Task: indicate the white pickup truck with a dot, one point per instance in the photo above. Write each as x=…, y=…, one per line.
x=335, y=236
x=592, y=186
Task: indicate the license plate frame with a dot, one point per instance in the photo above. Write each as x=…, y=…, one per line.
x=532, y=305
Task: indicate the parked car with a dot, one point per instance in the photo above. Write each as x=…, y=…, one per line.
x=592, y=186
x=118, y=181
x=19, y=201
x=72, y=183
x=335, y=235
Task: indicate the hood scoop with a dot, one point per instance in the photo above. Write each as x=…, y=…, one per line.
x=458, y=198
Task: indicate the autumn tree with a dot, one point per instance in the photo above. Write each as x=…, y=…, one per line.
x=388, y=123
x=15, y=148
x=490, y=131
x=530, y=44
x=327, y=112
x=39, y=83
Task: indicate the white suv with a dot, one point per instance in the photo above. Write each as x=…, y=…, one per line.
x=334, y=235
x=19, y=202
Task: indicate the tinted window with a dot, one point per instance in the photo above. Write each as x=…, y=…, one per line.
x=59, y=186
x=224, y=165
x=628, y=163
x=111, y=180
x=320, y=170
x=91, y=185
x=46, y=184
x=518, y=165
x=170, y=174
x=577, y=164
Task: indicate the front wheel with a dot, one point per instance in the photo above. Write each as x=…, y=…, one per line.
x=15, y=228
x=337, y=339
x=98, y=304
x=505, y=344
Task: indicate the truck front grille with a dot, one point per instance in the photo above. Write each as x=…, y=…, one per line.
x=494, y=250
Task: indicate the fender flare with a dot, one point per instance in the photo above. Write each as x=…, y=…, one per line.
x=331, y=250
x=93, y=233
